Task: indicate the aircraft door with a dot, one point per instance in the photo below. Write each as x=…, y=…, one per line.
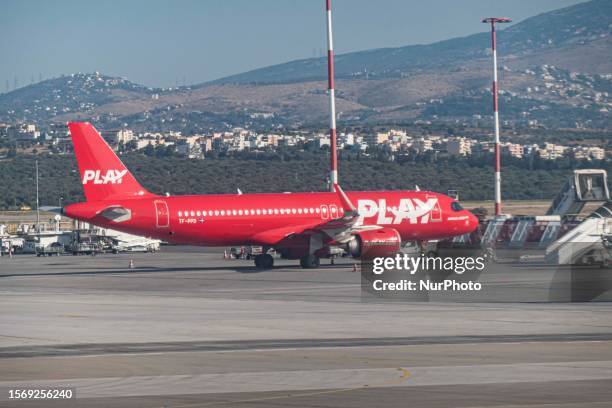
x=162, y=215
x=333, y=211
x=436, y=211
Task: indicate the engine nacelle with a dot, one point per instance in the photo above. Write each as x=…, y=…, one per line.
x=375, y=243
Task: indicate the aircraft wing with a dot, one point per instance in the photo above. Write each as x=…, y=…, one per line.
x=52, y=209
x=274, y=236
x=341, y=229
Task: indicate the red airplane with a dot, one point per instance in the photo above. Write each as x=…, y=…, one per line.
x=304, y=226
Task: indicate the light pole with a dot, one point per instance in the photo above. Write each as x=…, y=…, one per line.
x=37, y=201
x=493, y=21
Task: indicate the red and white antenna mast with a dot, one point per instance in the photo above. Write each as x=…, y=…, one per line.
x=493, y=21
x=333, y=170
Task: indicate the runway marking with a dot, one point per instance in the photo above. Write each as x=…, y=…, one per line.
x=330, y=380
x=28, y=338
x=405, y=373
x=52, y=350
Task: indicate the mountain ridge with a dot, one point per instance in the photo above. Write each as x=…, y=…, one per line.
x=555, y=71
x=512, y=41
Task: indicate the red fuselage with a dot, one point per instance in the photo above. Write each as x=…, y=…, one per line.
x=253, y=219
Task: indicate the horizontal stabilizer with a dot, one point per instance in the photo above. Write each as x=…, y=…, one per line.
x=51, y=209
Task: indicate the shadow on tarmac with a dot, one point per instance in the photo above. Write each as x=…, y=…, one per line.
x=154, y=269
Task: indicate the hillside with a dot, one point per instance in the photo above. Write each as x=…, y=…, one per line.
x=555, y=72
x=81, y=93
x=556, y=34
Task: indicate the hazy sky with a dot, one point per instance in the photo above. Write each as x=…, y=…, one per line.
x=160, y=42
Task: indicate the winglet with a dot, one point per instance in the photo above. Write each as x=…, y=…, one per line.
x=347, y=205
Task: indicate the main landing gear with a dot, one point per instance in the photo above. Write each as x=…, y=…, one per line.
x=310, y=262
x=264, y=261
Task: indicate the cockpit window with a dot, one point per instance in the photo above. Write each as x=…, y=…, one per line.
x=455, y=206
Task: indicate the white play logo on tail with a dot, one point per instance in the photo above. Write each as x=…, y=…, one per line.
x=111, y=176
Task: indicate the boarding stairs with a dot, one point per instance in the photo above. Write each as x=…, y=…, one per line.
x=581, y=187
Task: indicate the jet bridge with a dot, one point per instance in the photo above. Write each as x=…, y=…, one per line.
x=558, y=231
x=581, y=187
x=587, y=243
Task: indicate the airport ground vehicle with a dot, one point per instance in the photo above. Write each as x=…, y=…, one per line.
x=54, y=249
x=245, y=252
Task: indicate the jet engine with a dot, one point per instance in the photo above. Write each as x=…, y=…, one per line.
x=375, y=243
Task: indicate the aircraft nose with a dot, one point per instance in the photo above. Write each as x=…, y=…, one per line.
x=472, y=222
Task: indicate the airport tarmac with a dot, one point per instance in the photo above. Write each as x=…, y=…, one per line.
x=186, y=328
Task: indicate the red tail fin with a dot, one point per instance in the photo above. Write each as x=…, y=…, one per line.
x=103, y=175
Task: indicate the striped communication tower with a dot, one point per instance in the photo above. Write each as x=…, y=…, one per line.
x=493, y=21
x=333, y=168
